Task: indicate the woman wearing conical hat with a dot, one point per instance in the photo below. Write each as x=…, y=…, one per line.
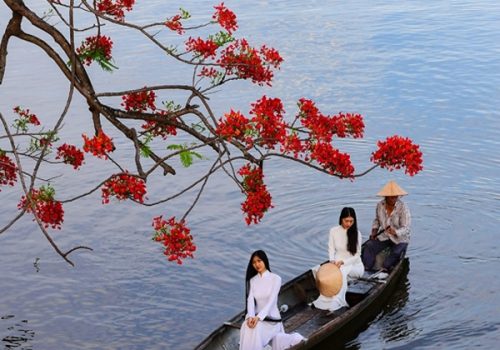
x=390, y=228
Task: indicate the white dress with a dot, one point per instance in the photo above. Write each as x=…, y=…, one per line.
x=263, y=301
x=353, y=267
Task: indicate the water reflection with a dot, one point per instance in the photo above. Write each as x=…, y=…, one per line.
x=19, y=335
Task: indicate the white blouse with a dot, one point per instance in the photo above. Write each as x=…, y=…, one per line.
x=263, y=296
x=337, y=247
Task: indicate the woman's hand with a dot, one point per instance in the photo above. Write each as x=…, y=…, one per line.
x=252, y=321
x=339, y=263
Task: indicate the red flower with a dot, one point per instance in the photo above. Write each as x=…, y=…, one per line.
x=115, y=8
x=8, y=171
x=205, y=48
x=175, y=24
x=99, y=145
x=246, y=62
x=124, y=186
x=292, y=143
x=139, y=101
x=225, y=17
x=47, y=209
x=159, y=129
x=70, y=155
x=176, y=238
x=332, y=160
x=398, y=152
x=268, y=120
x=96, y=48
x=25, y=118
x=234, y=126
x=258, y=200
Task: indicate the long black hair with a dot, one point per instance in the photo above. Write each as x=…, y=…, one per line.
x=251, y=271
x=352, y=232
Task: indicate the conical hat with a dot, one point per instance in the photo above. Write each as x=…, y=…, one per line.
x=391, y=189
x=329, y=279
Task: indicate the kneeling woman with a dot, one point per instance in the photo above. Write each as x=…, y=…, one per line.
x=344, y=250
x=263, y=320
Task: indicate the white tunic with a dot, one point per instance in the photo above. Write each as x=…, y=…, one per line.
x=263, y=301
x=352, y=268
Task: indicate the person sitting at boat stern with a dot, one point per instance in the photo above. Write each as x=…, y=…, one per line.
x=344, y=251
x=262, y=323
x=390, y=228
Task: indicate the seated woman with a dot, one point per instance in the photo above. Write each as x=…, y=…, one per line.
x=344, y=250
x=263, y=320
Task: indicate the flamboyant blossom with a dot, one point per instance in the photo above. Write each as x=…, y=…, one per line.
x=46, y=208
x=99, y=145
x=268, y=121
x=160, y=129
x=293, y=144
x=96, y=48
x=25, y=117
x=225, y=17
x=234, y=125
x=70, y=155
x=8, y=171
x=124, y=186
x=140, y=101
x=174, y=23
x=115, y=8
x=245, y=62
x=175, y=237
x=332, y=160
x=258, y=200
x=203, y=48
x=398, y=152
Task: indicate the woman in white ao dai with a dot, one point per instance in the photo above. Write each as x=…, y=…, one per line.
x=263, y=288
x=344, y=250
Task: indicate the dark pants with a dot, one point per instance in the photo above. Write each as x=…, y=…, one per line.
x=374, y=246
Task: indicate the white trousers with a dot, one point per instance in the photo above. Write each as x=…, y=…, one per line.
x=263, y=333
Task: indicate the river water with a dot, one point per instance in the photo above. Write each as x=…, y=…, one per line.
x=422, y=69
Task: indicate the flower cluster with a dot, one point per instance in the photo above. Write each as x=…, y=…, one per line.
x=96, y=48
x=234, y=126
x=25, y=118
x=225, y=17
x=323, y=128
x=8, y=171
x=258, y=199
x=70, y=155
x=175, y=237
x=246, y=62
x=174, y=23
x=124, y=186
x=99, y=145
x=140, y=101
x=203, y=48
x=46, y=208
x=398, y=152
x=268, y=121
x=159, y=129
x=115, y=8
x=332, y=160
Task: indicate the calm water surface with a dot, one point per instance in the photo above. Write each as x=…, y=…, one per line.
x=426, y=70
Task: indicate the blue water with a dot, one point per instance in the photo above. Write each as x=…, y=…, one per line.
x=426, y=70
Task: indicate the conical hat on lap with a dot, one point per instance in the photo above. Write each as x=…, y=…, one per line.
x=329, y=279
x=391, y=189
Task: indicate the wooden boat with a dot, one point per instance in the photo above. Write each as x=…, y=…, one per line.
x=366, y=296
